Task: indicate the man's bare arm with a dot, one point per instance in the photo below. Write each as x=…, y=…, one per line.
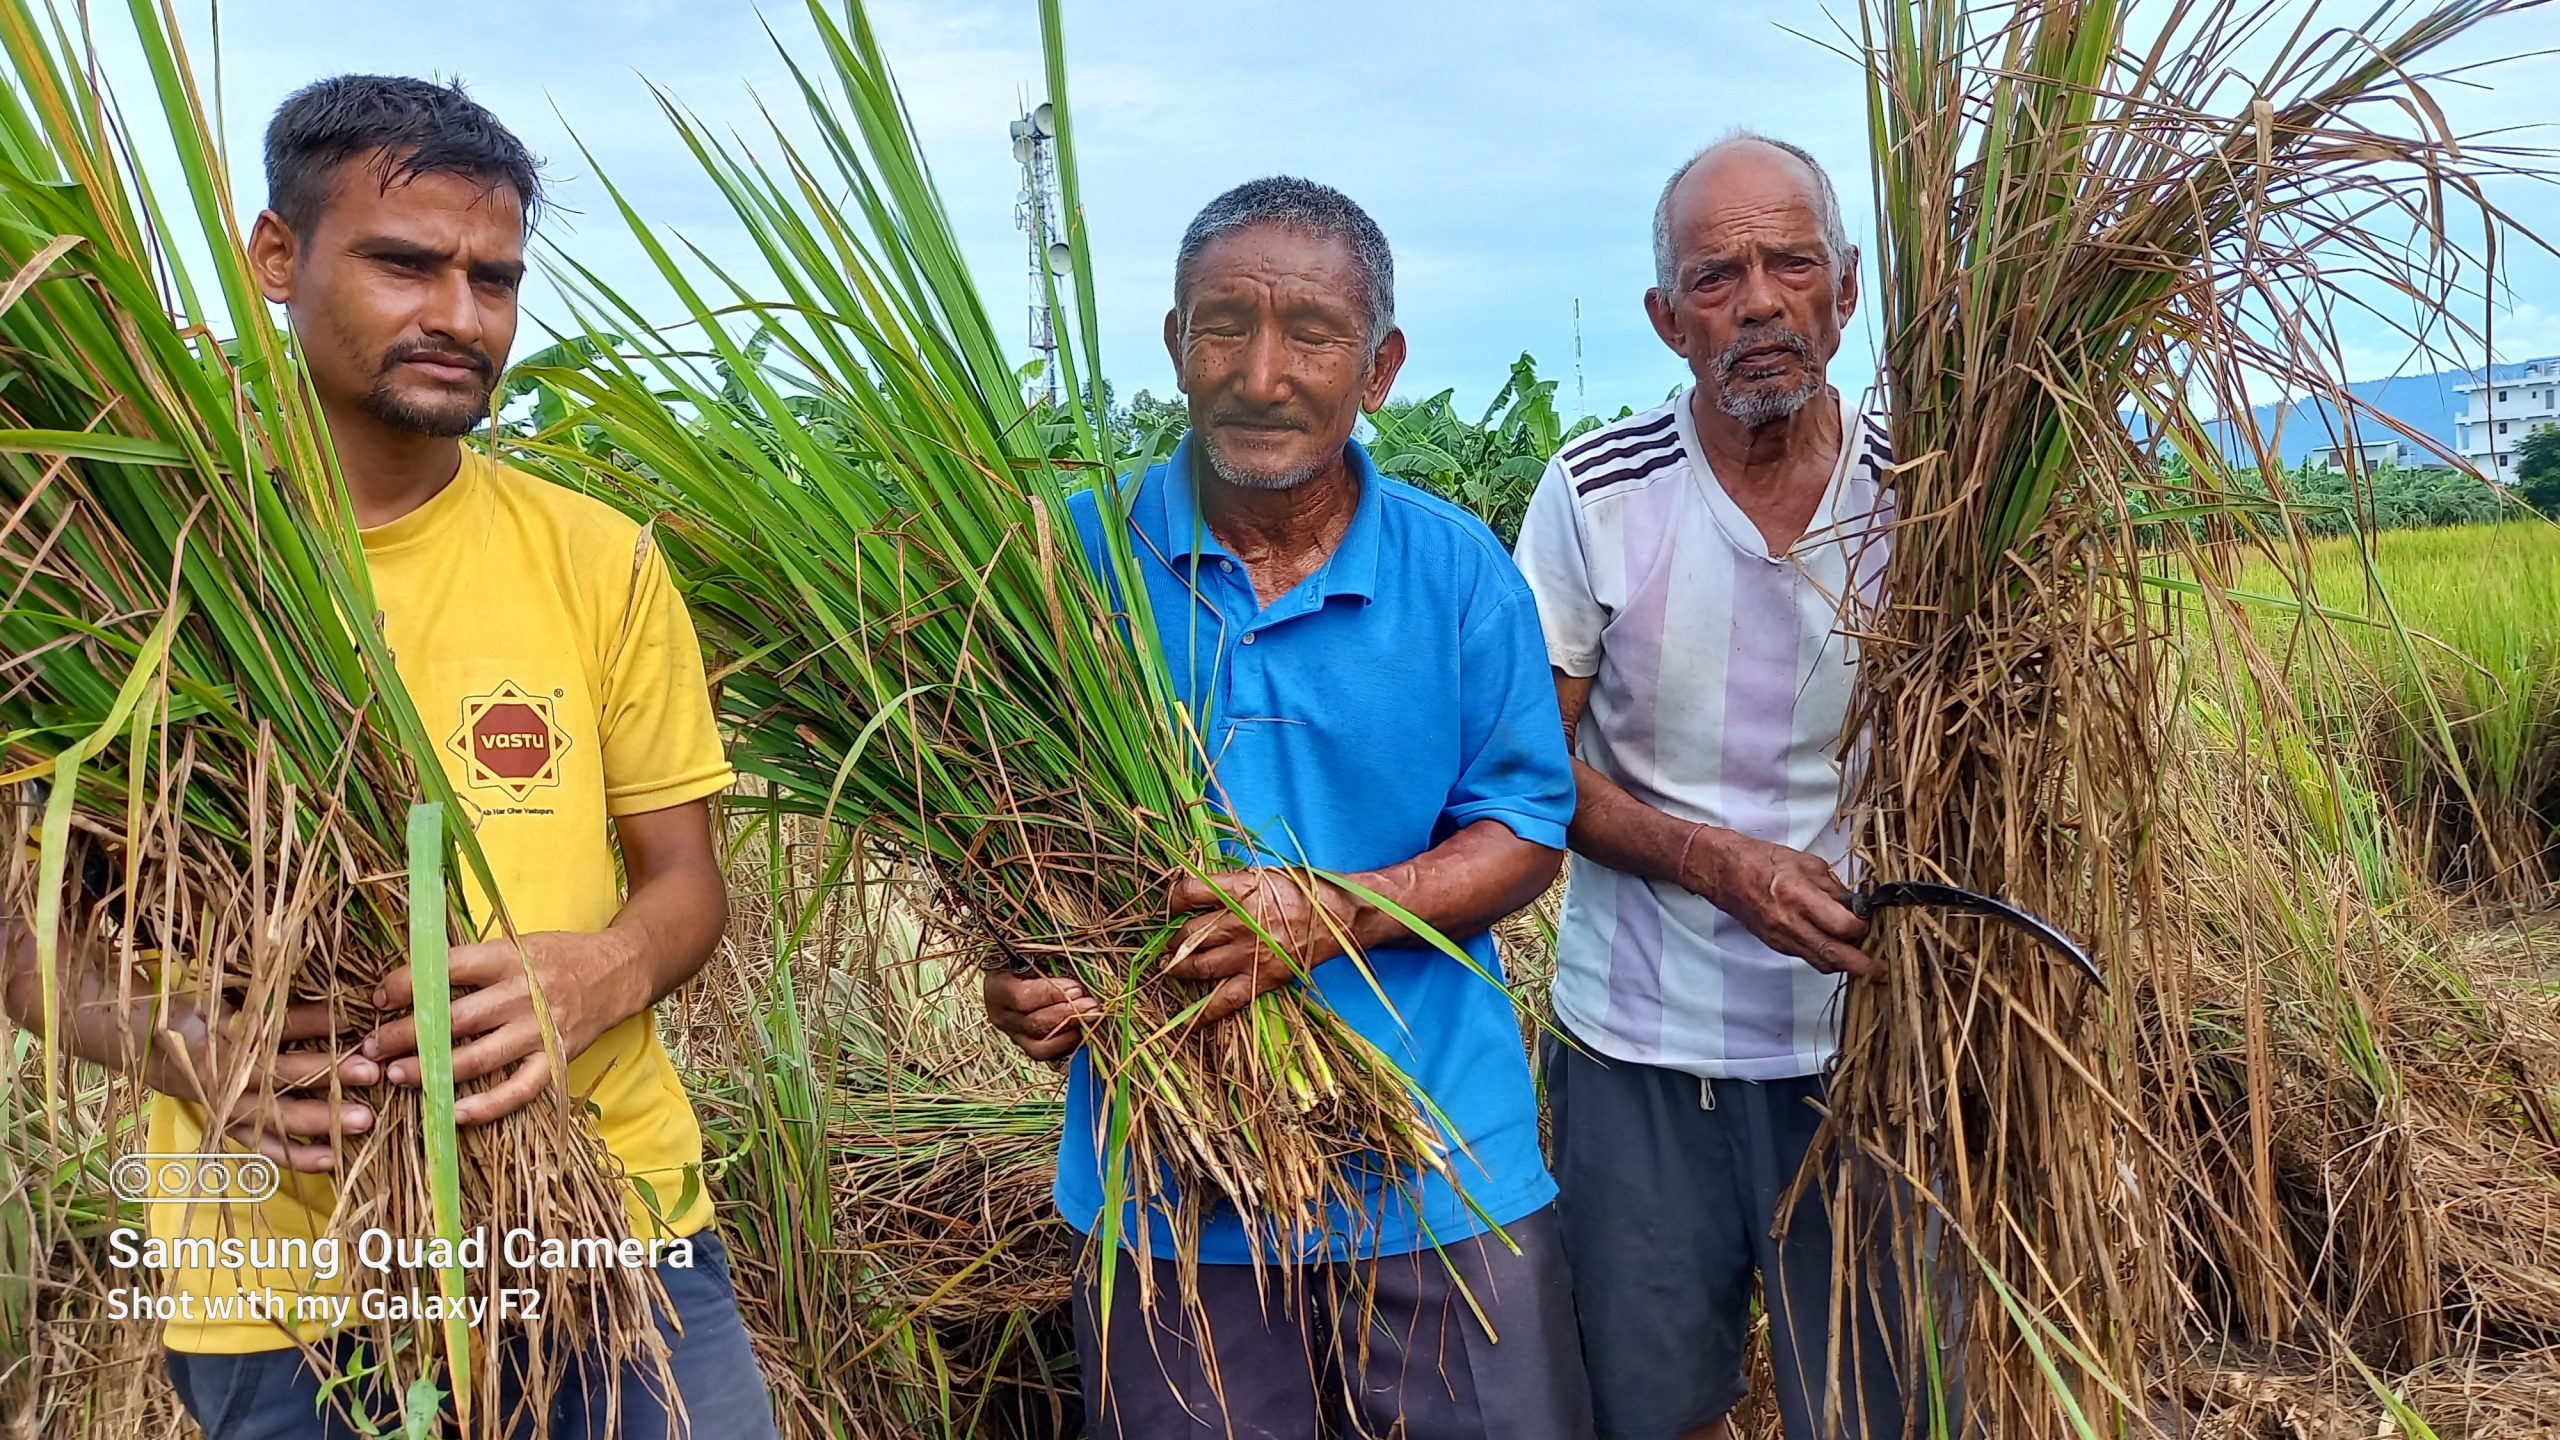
x=92, y=1020
x=1789, y=898
x=123, y=1028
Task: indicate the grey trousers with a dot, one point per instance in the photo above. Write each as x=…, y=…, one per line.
x=1388, y=1349
x=1670, y=1191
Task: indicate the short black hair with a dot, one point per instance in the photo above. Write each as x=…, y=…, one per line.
x=410, y=127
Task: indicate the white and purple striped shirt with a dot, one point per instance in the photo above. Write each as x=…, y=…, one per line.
x=1720, y=687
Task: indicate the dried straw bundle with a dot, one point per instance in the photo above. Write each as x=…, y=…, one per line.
x=898, y=1255
x=939, y=1305
x=82, y=1374
x=188, y=664
x=2366, y=1087
x=944, y=1201
x=2093, y=217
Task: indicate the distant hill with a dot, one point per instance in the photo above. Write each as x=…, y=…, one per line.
x=2425, y=403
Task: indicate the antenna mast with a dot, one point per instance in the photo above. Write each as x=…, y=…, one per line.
x=1580, y=393
x=1035, y=213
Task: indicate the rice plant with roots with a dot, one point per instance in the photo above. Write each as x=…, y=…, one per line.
x=2099, y=224
x=207, y=760
x=871, y=522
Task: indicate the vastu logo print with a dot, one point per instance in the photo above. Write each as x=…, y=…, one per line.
x=509, y=741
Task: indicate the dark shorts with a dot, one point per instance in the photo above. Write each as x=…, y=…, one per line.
x=1389, y=1349
x=1668, y=1204
x=275, y=1394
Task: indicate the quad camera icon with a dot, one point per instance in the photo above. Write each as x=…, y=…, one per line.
x=194, y=1179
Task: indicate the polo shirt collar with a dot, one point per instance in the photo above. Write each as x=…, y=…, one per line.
x=1352, y=568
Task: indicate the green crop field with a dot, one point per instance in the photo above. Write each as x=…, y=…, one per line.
x=2438, y=653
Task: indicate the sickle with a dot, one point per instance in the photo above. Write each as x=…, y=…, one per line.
x=1864, y=903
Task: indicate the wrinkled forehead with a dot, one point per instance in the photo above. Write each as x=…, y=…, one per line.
x=1281, y=261
x=1750, y=197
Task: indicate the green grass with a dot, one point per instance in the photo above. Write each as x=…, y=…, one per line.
x=428, y=936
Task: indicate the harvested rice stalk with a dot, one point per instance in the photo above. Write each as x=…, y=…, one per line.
x=2095, y=221
x=200, y=728
x=871, y=523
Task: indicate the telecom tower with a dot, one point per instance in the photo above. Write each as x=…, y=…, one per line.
x=1035, y=213
x=1579, y=393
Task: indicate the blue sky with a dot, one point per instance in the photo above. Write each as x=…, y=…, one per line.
x=1511, y=151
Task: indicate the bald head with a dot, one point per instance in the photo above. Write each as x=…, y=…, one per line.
x=1752, y=159
x=1757, y=276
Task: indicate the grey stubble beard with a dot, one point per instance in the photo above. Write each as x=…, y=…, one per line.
x=1755, y=408
x=1244, y=479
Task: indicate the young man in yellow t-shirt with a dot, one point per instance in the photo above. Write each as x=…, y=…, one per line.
x=540, y=638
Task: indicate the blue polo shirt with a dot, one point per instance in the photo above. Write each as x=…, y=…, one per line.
x=1397, y=695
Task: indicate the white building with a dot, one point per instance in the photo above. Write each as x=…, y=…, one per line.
x=2373, y=455
x=2498, y=414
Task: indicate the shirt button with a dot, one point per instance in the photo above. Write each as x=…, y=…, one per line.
x=1248, y=636
x=1227, y=565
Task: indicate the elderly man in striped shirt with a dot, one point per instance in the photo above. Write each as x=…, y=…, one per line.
x=1690, y=564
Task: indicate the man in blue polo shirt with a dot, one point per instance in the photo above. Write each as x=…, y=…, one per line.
x=1373, y=687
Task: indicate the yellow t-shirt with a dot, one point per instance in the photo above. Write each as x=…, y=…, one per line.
x=555, y=668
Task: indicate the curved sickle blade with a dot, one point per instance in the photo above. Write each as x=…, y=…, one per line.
x=1935, y=896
